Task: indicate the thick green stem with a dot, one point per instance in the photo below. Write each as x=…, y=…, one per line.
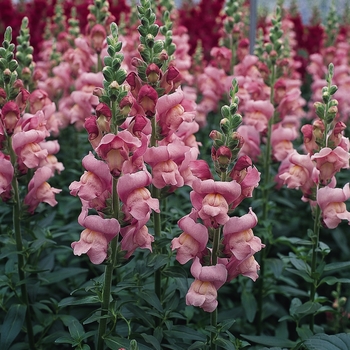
x=265, y=204
x=19, y=246
x=315, y=241
x=214, y=261
x=106, y=294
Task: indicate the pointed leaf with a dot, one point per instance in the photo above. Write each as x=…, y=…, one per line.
x=269, y=340
x=328, y=342
x=12, y=325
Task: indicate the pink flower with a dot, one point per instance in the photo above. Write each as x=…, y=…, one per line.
x=136, y=197
x=247, y=267
x=95, y=238
x=212, y=199
x=239, y=239
x=135, y=236
x=26, y=145
x=39, y=190
x=6, y=175
x=147, y=98
x=251, y=146
x=203, y=291
x=96, y=181
x=329, y=162
x=10, y=115
x=116, y=150
x=331, y=202
x=281, y=141
x=192, y=241
x=258, y=113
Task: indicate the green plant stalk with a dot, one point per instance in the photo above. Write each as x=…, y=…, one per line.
x=265, y=201
x=214, y=261
x=156, y=217
x=19, y=246
x=315, y=242
x=106, y=294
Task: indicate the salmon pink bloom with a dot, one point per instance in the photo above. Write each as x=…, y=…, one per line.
x=212, y=199
x=135, y=236
x=258, y=113
x=39, y=190
x=208, y=279
x=136, y=197
x=10, y=115
x=147, y=98
x=247, y=267
x=26, y=145
x=192, y=241
x=251, y=146
x=239, y=239
x=116, y=149
x=329, y=162
x=6, y=175
x=331, y=202
x=95, y=183
x=281, y=141
x=95, y=238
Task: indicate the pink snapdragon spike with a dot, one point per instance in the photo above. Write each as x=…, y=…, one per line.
x=208, y=279
x=331, y=202
x=10, y=115
x=135, y=236
x=192, y=241
x=136, y=197
x=239, y=239
x=95, y=182
x=6, y=175
x=329, y=162
x=95, y=238
x=147, y=98
x=212, y=200
x=39, y=190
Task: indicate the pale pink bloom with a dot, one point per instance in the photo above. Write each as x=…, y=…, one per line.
x=38, y=99
x=329, y=162
x=10, y=115
x=165, y=162
x=6, y=175
x=88, y=81
x=135, y=236
x=310, y=132
x=116, y=150
x=172, y=110
x=136, y=197
x=192, y=241
x=222, y=57
x=316, y=67
x=258, y=113
x=251, y=146
x=51, y=161
x=299, y=173
x=239, y=239
x=331, y=202
x=281, y=141
x=95, y=238
x=203, y=291
x=26, y=145
x=247, y=267
x=212, y=200
x=96, y=181
x=292, y=103
x=248, y=67
x=82, y=108
x=39, y=190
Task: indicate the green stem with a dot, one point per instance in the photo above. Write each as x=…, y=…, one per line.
x=315, y=241
x=214, y=261
x=265, y=204
x=106, y=294
x=19, y=246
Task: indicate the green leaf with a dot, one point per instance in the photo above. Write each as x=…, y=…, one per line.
x=330, y=280
x=302, y=274
x=151, y=340
x=197, y=345
x=249, y=305
x=76, y=330
x=92, y=299
x=307, y=308
x=116, y=343
x=60, y=275
x=65, y=340
x=183, y=332
x=339, y=341
x=336, y=266
x=12, y=325
x=225, y=344
x=151, y=298
x=269, y=340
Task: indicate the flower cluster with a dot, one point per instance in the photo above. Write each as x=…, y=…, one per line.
x=26, y=121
